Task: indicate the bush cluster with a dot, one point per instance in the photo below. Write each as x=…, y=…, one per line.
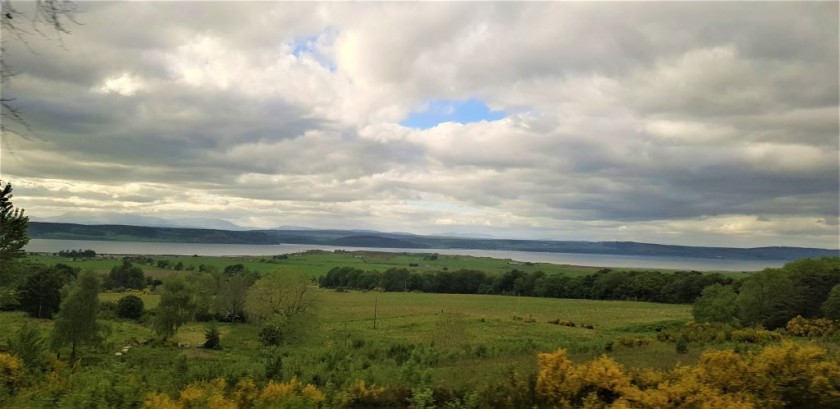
x=786, y=375
x=817, y=327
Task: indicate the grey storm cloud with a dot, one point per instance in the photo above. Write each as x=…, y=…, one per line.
x=697, y=123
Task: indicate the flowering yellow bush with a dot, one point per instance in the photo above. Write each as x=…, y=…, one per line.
x=803, y=327
x=290, y=394
x=160, y=401
x=360, y=393
x=557, y=381
x=796, y=376
x=11, y=370
x=245, y=393
x=215, y=395
x=777, y=376
x=755, y=336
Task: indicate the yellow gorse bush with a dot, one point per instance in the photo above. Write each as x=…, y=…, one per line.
x=777, y=376
x=11, y=370
x=216, y=395
x=360, y=393
x=803, y=327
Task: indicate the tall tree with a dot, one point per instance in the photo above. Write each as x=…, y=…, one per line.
x=177, y=306
x=13, y=225
x=280, y=294
x=76, y=322
x=126, y=275
x=13, y=237
x=40, y=296
x=770, y=298
x=717, y=303
x=831, y=306
x=284, y=304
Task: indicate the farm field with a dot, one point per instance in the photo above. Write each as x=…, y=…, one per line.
x=317, y=263
x=508, y=330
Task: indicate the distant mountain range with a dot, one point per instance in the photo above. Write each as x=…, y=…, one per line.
x=367, y=238
x=135, y=220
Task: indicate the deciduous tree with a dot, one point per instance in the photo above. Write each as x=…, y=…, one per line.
x=176, y=307
x=40, y=296
x=76, y=322
x=770, y=298
x=716, y=304
x=284, y=303
x=831, y=306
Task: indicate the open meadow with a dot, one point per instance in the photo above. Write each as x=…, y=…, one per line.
x=468, y=338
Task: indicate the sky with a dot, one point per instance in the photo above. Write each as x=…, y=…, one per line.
x=702, y=123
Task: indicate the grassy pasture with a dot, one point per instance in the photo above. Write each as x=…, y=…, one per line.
x=317, y=263
x=510, y=329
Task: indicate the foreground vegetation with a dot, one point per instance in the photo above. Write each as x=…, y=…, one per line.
x=234, y=337
x=447, y=350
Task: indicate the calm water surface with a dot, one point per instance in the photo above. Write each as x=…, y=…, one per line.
x=597, y=260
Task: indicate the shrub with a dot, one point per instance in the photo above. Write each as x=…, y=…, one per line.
x=130, y=307
x=630, y=342
x=361, y=395
x=29, y=346
x=271, y=335
x=211, y=338
x=755, y=336
x=696, y=332
x=681, y=347
x=786, y=375
x=565, y=323
x=11, y=371
x=803, y=327
x=400, y=352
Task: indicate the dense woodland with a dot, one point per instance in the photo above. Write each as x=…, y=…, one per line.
x=680, y=287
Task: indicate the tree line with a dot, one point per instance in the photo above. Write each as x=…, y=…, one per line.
x=77, y=253
x=606, y=284
x=809, y=288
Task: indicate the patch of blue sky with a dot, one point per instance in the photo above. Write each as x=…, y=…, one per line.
x=311, y=46
x=439, y=111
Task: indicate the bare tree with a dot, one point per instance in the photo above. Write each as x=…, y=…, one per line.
x=284, y=304
x=42, y=18
x=281, y=294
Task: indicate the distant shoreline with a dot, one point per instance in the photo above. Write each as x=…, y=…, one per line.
x=402, y=241
x=247, y=250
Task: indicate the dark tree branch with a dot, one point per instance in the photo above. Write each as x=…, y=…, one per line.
x=53, y=14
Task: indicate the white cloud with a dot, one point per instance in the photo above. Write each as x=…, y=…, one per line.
x=124, y=84
x=652, y=122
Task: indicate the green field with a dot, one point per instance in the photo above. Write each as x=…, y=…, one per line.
x=509, y=330
x=317, y=263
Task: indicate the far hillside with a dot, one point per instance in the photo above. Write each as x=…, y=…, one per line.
x=351, y=238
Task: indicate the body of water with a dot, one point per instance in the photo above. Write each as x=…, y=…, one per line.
x=596, y=260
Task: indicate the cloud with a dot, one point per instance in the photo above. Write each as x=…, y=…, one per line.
x=125, y=84
x=706, y=123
